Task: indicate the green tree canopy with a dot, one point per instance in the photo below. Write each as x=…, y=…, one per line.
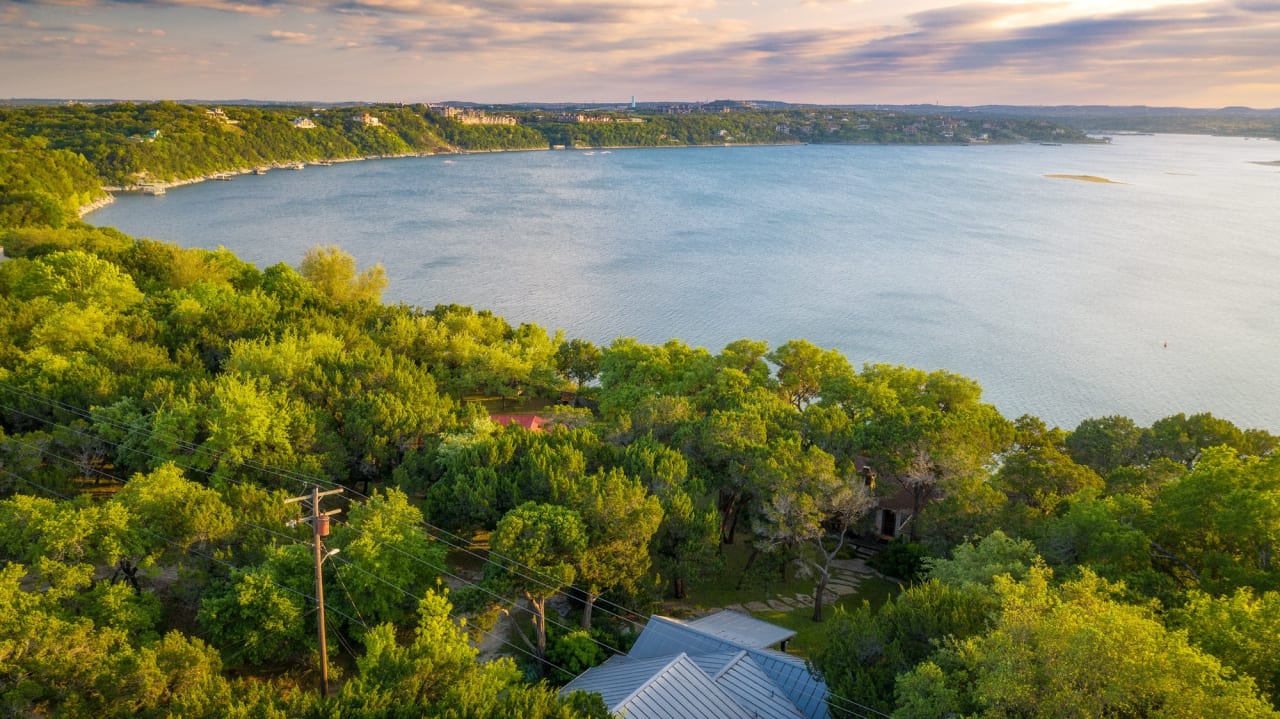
x=333, y=273
x=536, y=549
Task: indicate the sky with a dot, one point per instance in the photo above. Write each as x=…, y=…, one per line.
x=1023, y=52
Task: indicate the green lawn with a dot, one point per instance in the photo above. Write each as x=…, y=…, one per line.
x=719, y=590
x=875, y=590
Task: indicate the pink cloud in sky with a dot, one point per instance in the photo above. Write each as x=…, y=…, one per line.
x=1215, y=53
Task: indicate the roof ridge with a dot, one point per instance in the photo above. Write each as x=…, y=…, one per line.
x=674, y=660
x=733, y=661
x=703, y=632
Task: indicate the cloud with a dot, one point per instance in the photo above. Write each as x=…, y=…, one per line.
x=1008, y=52
x=957, y=17
x=1003, y=50
x=290, y=38
x=254, y=7
x=1260, y=6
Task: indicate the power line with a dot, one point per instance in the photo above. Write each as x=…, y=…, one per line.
x=529, y=573
x=439, y=569
x=177, y=544
x=506, y=601
x=845, y=703
x=487, y=632
x=355, y=620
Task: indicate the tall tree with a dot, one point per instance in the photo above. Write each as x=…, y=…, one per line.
x=1239, y=629
x=620, y=517
x=1105, y=443
x=803, y=368
x=687, y=542
x=579, y=360
x=1219, y=524
x=922, y=430
x=437, y=674
x=809, y=509
x=385, y=543
x=535, y=548
x=865, y=650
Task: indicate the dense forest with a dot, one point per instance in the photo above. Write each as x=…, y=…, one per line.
x=159, y=406
x=132, y=144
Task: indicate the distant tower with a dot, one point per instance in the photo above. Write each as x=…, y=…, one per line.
x=633, y=102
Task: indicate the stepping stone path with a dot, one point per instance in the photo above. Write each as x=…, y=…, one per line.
x=846, y=575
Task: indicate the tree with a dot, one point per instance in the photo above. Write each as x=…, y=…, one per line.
x=1105, y=444
x=922, y=430
x=1220, y=523
x=748, y=357
x=803, y=368
x=579, y=360
x=1104, y=535
x=535, y=548
x=437, y=674
x=731, y=446
x=333, y=273
x=979, y=563
x=1239, y=629
x=260, y=614
x=864, y=650
x=620, y=518
x=1183, y=439
x=687, y=542
x=631, y=372
x=1043, y=477
x=1076, y=652
x=171, y=517
x=661, y=468
x=806, y=505
x=386, y=545
x=181, y=511
x=240, y=428
x=76, y=277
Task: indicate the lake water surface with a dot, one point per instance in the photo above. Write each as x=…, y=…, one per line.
x=1065, y=299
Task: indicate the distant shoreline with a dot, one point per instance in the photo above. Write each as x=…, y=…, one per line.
x=167, y=185
x=97, y=204
x=140, y=188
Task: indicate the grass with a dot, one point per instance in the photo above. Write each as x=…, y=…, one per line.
x=470, y=560
x=719, y=590
x=809, y=634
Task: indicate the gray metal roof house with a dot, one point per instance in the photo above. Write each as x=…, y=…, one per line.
x=716, y=666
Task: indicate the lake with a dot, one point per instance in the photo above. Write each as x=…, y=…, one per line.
x=1065, y=299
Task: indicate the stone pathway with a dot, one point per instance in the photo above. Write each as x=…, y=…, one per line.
x=846, y=575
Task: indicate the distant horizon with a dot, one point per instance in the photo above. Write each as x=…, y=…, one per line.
x=627, y=102
x=1154, y=53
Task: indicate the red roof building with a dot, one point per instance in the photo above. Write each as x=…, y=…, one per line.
x=531, y=422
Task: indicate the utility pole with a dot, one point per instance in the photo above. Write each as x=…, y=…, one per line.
x=319, y=529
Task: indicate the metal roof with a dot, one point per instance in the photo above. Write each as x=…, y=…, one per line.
x=666, y=688
x=674, y=665
x=742, y=629
x=745, y=681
